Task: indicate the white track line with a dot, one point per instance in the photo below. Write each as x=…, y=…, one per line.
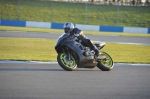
x=38, y=62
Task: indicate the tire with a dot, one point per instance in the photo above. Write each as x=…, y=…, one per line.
x=105, y=64
x=64, y=63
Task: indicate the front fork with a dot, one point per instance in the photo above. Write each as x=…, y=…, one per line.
x=68, y=54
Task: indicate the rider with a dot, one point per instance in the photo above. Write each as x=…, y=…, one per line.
x=69, y=28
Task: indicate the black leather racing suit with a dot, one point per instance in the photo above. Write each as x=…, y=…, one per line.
x=84, y=40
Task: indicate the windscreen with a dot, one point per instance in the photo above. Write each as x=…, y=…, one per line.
x=61, y=38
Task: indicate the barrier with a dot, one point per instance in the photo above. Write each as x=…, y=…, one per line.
x=38, y=24
x=57, y=25
x=135, y=30
x=13, y=23
x=80, y=26
x=111, y=28
x=148, y=30
x=88, y=27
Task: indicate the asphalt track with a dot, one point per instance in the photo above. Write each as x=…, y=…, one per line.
x=50, y=81
x=104, y=38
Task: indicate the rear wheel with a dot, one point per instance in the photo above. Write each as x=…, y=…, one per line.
x=66, y=64
x=105, y=63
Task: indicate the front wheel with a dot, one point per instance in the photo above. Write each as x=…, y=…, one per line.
x=66, y=64
x=105, y=63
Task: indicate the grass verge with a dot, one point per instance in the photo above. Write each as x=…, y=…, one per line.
x=43, y=50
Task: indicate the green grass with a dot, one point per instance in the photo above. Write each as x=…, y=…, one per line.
x=10, y=28
x=43, y=50
x=27, y=49
x=48, y=11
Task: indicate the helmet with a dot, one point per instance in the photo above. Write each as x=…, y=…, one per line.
x=68, y=26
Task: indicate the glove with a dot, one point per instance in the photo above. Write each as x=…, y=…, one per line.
x=76, y=35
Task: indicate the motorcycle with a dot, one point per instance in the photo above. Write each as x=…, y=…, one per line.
x=72, y=54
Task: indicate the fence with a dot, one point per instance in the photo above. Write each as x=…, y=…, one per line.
x=97, y=13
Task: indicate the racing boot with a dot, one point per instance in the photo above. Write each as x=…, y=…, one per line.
x=95, y=50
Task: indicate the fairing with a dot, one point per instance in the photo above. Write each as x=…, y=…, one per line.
x=84, y=61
